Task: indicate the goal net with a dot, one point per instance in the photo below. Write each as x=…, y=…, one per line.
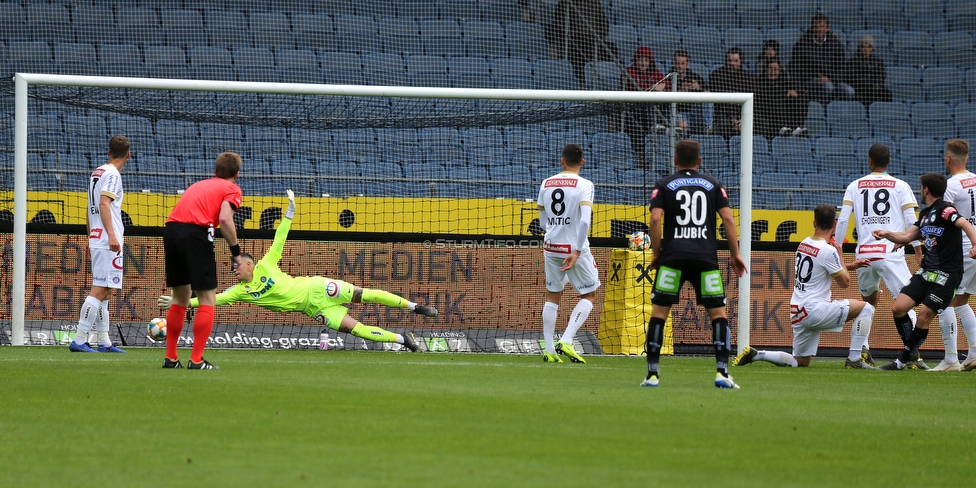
x=425, y=192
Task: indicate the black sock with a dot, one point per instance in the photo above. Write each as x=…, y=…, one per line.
x=904, y=326
x=914, y=341
x=721, y=337
x=655, y=337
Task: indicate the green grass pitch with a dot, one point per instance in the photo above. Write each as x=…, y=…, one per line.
x=364, y=419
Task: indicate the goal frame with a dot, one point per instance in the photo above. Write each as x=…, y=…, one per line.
x=22, y=81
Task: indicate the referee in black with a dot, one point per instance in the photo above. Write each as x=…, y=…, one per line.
x=686, y=249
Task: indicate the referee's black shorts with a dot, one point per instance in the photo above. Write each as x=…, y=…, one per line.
x=190, y=256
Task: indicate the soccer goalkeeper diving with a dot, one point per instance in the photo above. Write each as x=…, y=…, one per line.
x=265, y=285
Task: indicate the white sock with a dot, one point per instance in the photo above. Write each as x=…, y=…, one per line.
x=947, y=323
x=967, y=319
x=101, y=325
x=411, y=306
x=778, y=358
x=860, y=330
x=549, y=312
x=576, y=319
x=89, y=312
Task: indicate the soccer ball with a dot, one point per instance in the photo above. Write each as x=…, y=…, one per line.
x=157, y=329
x=638, y=241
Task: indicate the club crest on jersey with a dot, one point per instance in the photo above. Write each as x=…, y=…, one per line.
x=263, y=279
x=332, y=289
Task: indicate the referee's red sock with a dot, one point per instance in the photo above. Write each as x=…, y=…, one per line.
x=202, y=327
x=174, y=326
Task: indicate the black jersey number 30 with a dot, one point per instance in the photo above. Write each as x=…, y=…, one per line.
x=694, y=207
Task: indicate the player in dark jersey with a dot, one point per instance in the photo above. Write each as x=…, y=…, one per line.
x=687, y=202
x=188, y=240
x=940, y=227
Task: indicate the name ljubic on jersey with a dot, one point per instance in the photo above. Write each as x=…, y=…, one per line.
x=694, y=207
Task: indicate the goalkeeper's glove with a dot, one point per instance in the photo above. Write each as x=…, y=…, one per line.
x=290, y=213
x=164, y=302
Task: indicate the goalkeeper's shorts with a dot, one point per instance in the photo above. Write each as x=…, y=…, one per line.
x=327, y=299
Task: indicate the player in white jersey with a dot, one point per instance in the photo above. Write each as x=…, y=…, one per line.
x=961, y=193
x=879, y=201
x=818, y=264
x=565, y=208
x=105, y=245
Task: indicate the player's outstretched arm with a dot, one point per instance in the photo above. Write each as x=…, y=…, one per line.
x=905, y=237
x=281, y=234
x=732, y=235
x=223, y=298
x=970, y=232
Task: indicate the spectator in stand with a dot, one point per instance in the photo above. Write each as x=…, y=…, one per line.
x=691, y=116
x=866, y=73
x=780, y=108
x=730, y=78
x=818, y=62
x=642, y=118
x=769, y=53
x=578, y=33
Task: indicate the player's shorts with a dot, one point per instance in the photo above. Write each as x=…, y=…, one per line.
x=810, y=319
x=106, y=268
x=583, y=275
x=189, y=256
x=704, y=277
x=327, y=299
x=934, y=289
x=893, y=271
x=968, y=282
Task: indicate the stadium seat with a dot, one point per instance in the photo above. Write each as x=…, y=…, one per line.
x=932, y=120
x=512, y=73
x=964, y=115
x=358, y=34
x=211, y=63
x=786, y=146
x=271, y=30
x=890, y=119
x=933, y=21
x=87, y=134
x=836, y=154
x=31, y=57
x=460, y=10
x=862, y=145
x=711, y=146
x=178, y=138
x=885, y=14
x=527, y=147
x=469, y=72
x=341, y=68
x=375, y=8
x=526, y=41
x=661, y=40
x=631, y=13
x=678, y=16
x=49, y=22
x=121, y=60
x=904, y=83
x=913, y=48
x=227, y=28
x=314, y=31
x=944, y=85
x=298, y=66
x=955, y=49
x=418, y=9
x=759, y=16
x=76, y=59
x=706, y=43
x=400, y=36
x=381, y=169
x=167, y=62
x=759, y=145
x=483, y=147
x=961, y=15
x=14, y=25
x=95, y=25
x=847, y=119
x=922, y=153
x=442, y=145
x=602, y=75
x=502, y=11
x=255, y=64
x=484, y=38
x=183, y=27
x=624, y=37
x=384, y=69
x=612, y=149
x=797, y=15
x=555, y=74
x=340, y=187
x=357, y=145
x=427, y=71
x=139, y=25
x=441, y=38
x=425, y=171
x=720, y=14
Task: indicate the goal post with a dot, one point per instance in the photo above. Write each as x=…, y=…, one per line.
x=22, y=83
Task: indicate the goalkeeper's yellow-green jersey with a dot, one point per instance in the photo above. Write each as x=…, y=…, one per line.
x=270, y=287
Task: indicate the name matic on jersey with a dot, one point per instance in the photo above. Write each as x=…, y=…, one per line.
x=876, y=183
x=678, y=183
x=561, y=182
